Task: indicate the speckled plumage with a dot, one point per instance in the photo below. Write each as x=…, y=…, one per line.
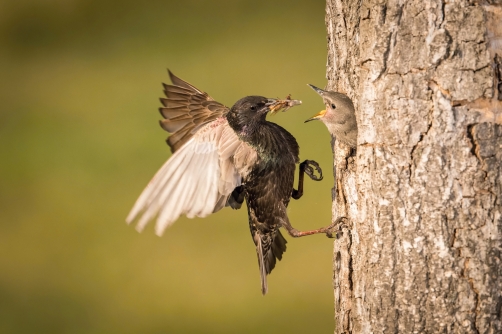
x=220, y=157
x=269, y=185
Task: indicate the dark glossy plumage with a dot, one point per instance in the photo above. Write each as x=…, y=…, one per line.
x=220, y=157
x=269, y=185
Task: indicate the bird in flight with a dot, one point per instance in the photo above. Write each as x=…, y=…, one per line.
x=221, y=157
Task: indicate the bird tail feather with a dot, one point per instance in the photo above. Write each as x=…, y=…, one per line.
x=261, y=262
x=269, y=248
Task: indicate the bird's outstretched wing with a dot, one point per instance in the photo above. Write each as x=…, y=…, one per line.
x=208, y=162
x=186, y=109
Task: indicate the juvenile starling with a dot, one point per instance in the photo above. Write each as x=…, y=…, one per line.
x=339, y=116
x=220, y=157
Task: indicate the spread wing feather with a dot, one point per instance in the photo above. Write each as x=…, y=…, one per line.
x=185, y=110
x=208, y=160
x=197, y=179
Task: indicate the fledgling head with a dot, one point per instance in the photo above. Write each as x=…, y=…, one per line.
x=339, y=116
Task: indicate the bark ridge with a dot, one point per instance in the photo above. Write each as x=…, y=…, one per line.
x=423, y=252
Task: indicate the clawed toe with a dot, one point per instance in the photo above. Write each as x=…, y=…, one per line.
x=308, y=167
x=333, y=230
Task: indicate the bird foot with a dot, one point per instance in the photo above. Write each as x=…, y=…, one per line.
x=335, y=229
x=308, y=168
x=236, y=198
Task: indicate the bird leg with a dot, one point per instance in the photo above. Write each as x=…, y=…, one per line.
x=236, y=198
x=328, y=229
x=306, y=168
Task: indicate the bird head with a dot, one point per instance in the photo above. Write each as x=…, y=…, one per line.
x=338, y=107
x=252, y=110
x=339, y=116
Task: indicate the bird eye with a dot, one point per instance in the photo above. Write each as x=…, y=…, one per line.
x=253, y=108
x=333, y=106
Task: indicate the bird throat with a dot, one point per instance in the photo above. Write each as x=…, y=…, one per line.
x=246, y=128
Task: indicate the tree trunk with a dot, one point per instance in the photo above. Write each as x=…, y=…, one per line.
x=423, y=250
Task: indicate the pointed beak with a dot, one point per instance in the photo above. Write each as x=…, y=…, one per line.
x=318, y=90
x=318, y=116
x=321, y=114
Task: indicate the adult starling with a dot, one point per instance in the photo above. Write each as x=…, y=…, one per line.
x=339, y=116
x=222, y=156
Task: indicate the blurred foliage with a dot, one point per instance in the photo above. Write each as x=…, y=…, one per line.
x=79, y=139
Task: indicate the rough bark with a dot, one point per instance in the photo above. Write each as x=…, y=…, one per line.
x=423, y=250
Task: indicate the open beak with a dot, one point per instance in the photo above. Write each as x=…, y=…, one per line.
x=276, y=105
x=321, y=114
x=317, y=116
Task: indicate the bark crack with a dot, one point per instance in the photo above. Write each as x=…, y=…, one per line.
x=469, y=279
x=474, y=145
x=497, y=61
x=443, y=4
x=351, y=270
x=385, y=56
x=433, y=84
x=422, y=136
x=390, y=39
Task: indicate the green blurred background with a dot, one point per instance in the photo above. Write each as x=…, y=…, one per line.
x=79, y=139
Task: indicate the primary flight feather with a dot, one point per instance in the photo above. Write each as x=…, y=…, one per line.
x=222, y=156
